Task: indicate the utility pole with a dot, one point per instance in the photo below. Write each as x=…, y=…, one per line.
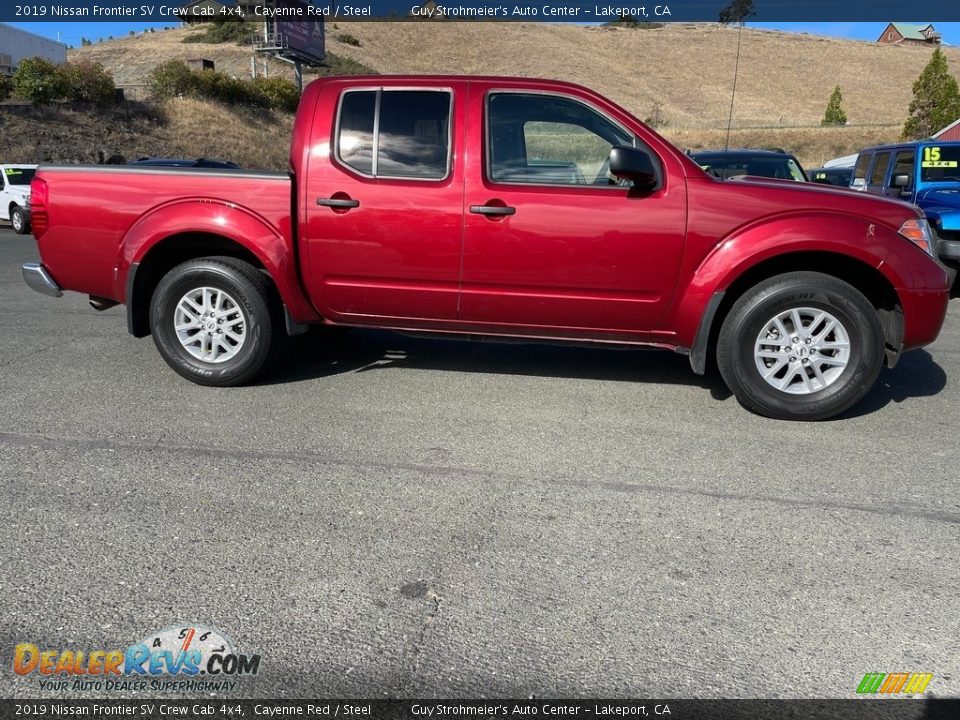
x=733, y=95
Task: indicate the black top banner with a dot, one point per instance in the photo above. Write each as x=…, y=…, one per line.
x=326, y=709
x=483, y=10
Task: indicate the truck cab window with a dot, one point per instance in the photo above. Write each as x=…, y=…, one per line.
x=903, y=165
x=879, y=171
x=549, y=140
x=414, y=134
x=355, y=142
x=396, y=133
x=860, y=171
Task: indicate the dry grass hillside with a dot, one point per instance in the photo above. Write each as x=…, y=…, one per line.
x=131, y=58
x=783, y=84
x=178, y=128
x=784, y=79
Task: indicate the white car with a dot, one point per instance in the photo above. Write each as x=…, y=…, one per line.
x=15, y=195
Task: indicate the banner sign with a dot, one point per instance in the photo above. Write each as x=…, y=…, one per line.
x=575, y=11
x=228, y=709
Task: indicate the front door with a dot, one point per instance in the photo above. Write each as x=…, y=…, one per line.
x=553, y=245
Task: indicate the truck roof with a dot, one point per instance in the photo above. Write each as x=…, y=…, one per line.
x=909, y=144
x=435, y=79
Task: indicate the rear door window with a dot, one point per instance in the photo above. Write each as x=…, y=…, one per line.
x=355, y=133
x=403, y=134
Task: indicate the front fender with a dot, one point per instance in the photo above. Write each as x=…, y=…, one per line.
x=226, y=220
x=944, y=218
x=854, y=237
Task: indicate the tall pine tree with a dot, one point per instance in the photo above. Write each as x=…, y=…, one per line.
x=835, y=114
x=936, y=100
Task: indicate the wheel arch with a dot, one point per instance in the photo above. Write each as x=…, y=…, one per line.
x=183, y=231
x=874, y=285
x=144, y=275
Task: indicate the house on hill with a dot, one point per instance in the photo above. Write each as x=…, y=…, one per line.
x=950, y=133
x=909, y=34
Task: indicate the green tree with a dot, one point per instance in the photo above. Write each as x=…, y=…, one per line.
x=936, y=100
x=39, y=80
x=6, y=87
x=277, y=93
x=835, y=114
x=171, y=79
x=86, y=81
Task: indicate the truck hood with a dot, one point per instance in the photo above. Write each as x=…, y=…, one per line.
x=814, y=196
x=947, y=198
x=942, y=206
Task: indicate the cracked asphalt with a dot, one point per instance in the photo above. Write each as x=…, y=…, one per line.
x=393, y=517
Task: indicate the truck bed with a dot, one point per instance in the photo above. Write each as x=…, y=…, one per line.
x=94, y=209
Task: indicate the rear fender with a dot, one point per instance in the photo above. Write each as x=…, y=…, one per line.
x=227, y=221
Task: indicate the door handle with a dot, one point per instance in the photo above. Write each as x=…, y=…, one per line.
x=492, y=210
x=342, y=203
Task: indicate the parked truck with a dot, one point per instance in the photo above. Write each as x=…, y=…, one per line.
x=15, y=196
x=925, y=173
x=498, y=208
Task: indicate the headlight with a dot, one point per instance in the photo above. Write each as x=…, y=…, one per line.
x=917, y=231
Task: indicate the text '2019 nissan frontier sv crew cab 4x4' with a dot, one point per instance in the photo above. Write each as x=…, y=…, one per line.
x=498, y=207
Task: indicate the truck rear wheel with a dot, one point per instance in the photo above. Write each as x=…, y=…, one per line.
x=214, y=321
x=800, y=346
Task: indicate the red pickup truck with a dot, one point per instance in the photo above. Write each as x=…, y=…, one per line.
x=497, y=207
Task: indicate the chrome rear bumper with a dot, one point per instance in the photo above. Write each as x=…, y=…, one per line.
x=36, y=276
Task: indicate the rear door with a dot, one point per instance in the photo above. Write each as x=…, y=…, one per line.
x=552, y=245
x=384, y=203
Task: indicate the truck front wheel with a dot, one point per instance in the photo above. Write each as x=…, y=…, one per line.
x=800, y=346
x=214, y=321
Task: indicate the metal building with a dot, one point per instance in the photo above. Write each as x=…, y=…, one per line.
x=16, y=44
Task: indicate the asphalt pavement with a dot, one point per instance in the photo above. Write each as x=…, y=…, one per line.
x=388, y=516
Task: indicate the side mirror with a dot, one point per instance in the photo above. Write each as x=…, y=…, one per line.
x=901, y=181
x=634, y=164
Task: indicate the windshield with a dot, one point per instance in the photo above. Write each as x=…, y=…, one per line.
x=19, y=176
x=940, y=163
x=784, y=168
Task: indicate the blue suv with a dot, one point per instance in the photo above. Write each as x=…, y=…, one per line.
x=925, y=173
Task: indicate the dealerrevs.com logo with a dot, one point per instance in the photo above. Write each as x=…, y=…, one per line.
x=191, y=658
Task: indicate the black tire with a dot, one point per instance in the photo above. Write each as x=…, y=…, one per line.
x=759, y=305
x=19, y=221
x=952, y=270
x=254, y=297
